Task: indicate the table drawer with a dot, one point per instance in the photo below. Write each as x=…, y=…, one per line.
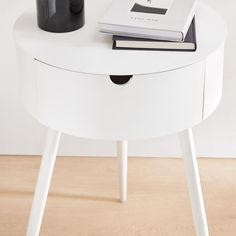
x=92, y=106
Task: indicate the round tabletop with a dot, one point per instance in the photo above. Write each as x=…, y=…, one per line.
x=89, y=51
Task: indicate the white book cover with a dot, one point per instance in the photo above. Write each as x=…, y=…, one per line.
x=156, y=19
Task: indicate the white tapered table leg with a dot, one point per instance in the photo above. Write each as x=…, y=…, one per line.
x=43, y=183
x=194, y=184
x=122, y=151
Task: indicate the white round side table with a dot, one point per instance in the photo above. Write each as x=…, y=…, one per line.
x=74, y=83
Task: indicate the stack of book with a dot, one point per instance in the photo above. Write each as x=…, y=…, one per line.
x=151, y=24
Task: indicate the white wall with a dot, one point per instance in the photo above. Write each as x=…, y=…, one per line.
x=20, y=134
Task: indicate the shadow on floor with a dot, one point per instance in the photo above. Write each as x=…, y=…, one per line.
x=61, y=195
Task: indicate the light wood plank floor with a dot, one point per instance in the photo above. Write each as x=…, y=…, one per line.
x=83, y=198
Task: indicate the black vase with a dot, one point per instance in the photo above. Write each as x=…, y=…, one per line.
x=60, y=16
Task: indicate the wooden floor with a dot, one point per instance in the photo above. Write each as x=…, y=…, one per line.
x=83, y=198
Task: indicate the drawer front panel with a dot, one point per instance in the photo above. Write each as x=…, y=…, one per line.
x=92, y=106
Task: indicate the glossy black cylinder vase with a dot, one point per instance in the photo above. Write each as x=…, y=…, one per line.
x=60, y=16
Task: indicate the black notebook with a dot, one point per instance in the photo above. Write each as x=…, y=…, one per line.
x=130, y=43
